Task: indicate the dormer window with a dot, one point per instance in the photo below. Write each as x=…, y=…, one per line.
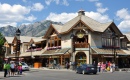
x=108, y=41
x=54, y=43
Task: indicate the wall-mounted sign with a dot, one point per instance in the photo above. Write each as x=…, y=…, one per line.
x=80, y=34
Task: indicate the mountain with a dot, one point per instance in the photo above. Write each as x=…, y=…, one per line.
x=36, y=29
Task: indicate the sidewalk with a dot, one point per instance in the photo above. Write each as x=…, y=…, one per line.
x=2, y=75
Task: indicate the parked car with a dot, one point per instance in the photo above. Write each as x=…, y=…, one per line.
x=86, y=69
x=25, y=67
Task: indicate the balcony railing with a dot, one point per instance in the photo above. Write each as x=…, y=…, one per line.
x=81, y=45
x=54, y=47
x=32, y=50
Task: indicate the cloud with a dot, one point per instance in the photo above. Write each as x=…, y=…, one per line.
x=31, y=18
x=98, y=17
x=24, y=1
x=37, y=7
x=100, y=9
x=79, y=0
x=124, y=16
x=8, y=23
x=65, y=17
x=12, y=14
x=124, y=26
x=63, y=2
x=48, y=2
x=98, y=4
x=93, y=0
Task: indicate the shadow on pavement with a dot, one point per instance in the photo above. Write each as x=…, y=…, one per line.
x=10, y=76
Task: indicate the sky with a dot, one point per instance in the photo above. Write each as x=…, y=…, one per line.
x=19, y=12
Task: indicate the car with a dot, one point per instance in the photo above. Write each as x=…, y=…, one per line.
x=25, y=67
x=86, y=69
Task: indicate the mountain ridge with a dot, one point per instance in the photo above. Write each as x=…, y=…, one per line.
x=35, y=29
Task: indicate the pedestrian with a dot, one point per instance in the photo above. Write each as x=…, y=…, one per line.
x=114, y=66
x=5, y=69
x=99, y=66
x=8, y=69
x=20, y=68
x=67, y=65
x=54, y=64
x=58, y=66
x=111, y=67
x=12, y=65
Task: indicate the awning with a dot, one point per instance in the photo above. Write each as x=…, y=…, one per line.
x=56, y=52
x=25, y=54
x=33, y=53
x=108, y=51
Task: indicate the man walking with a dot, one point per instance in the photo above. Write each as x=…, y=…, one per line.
x=5, y=69
x=8, y=69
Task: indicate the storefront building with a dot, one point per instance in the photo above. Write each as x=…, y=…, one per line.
x=81, y=40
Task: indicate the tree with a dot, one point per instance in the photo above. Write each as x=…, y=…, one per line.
x=2, y=41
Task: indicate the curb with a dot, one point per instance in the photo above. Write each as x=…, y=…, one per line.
x=52, y=69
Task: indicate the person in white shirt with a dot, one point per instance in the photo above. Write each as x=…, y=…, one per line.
x=12, y=65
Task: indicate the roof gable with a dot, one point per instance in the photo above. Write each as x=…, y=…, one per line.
x=52, y=29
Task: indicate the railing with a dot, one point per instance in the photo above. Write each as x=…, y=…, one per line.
x=32, y=50
x=54, y=47
x=81, y=45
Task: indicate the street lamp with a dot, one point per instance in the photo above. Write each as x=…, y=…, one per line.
x=32, y=57
x=18, y=32
x=114, y=36
x=72, y=47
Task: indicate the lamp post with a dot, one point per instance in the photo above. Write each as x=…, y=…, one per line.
x=18, y=32
x=72, y=47
x=114, y=46
x=32, y=57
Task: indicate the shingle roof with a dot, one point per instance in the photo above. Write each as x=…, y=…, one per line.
x=57, y=27
x=93, y=24
x=9, y=39
x=38, y=39
x=128, y=36
x=25, y=38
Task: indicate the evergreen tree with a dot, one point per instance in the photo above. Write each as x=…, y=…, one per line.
x=2, y=41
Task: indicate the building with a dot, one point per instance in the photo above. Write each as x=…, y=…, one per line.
x=81, y=40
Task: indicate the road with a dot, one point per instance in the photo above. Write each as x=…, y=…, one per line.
x=68, y=75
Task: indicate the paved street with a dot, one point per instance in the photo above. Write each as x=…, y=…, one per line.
x=37, y=74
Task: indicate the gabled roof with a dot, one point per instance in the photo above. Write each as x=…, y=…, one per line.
x=128, y=36
x=9, y=39
x=38, y=39
x=25, y=38
x=57, y=27
x=93, y=24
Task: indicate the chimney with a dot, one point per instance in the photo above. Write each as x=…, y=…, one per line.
x=81, y=12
